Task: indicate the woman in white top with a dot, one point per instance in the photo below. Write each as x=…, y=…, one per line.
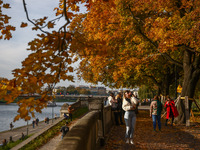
x=129, y=105
x=114, y=105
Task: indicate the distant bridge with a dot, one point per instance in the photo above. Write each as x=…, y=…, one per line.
x=66, y=96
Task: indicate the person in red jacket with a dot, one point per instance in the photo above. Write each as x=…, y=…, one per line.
x=171, y=110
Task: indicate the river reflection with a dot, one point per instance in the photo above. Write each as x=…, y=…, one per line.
x=8, y=112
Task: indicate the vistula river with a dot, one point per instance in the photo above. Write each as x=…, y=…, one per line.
x=9, y=111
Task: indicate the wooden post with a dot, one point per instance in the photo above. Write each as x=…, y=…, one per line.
x=187, y=113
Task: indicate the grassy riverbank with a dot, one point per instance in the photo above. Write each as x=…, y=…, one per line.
x=13, y=144
x=46, y=136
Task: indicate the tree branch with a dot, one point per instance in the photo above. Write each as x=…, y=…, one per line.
x=139, y=29
x=27, y=16
x=172, y=60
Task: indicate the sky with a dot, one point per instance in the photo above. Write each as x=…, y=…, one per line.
x=13, y=52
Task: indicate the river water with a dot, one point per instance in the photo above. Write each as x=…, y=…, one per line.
x=9, y=111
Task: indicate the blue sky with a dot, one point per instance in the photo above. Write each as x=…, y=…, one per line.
x=13, y=52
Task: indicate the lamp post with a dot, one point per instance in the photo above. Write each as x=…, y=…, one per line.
x=27, y=128
x=52, y=111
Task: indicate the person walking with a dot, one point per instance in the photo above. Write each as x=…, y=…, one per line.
x=64, y=129
x=37, y=121
x=119, y=107
x=114, y=107
x=129, y=104
x=11, y=126
x=55, y=116
x=47, y=120
x=33, y=123
x=70, y=110
x=171, y=110
x=155, y=112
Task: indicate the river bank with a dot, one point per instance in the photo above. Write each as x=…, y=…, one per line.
x=9, y=111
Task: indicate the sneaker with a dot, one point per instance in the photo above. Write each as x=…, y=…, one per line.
x=131, y=141
x=127, y=141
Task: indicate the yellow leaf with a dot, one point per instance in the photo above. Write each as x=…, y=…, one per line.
x=23, y=25
x=6, y=6
x=3, y=87
x=27, y=118
x=50, y=25
x=31, y=109
x=19, y=88
x=16, y=118
x=70, y=69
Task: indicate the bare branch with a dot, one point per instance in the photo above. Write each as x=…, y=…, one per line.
x=27, y=16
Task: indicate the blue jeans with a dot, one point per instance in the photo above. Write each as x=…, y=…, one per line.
x=130, y=121
x=154, y=118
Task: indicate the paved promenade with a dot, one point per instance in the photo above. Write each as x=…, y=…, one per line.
x=16, y=133
x=176, y=137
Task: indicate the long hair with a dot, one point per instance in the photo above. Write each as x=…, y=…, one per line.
x=127, y=91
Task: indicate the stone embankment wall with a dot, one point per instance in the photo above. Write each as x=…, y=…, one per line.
x=89, y=132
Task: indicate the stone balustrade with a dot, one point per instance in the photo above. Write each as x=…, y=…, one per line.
x=89, y=131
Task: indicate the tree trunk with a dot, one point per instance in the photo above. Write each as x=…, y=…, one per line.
x=191, y=77
x=166, y=81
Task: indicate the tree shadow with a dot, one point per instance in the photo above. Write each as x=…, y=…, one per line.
x=170, y=137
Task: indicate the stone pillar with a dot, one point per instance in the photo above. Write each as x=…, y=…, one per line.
x=64, y=109
x=98, y=105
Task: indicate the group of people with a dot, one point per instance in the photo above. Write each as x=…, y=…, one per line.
x=5, y=142
x=125, y=106
x=46, y=120
x=64, y=129
x=116, y=104
x=69, y=115
x=156, y=109
x=35, y=122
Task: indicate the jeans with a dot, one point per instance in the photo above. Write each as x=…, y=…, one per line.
x=130, y=121
x=154, y=118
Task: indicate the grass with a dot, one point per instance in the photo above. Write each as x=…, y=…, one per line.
x=49, y=134
x=13, y=144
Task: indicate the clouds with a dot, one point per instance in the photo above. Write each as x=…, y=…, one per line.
x=13, y=52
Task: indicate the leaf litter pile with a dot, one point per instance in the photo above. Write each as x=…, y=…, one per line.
x=178, y=137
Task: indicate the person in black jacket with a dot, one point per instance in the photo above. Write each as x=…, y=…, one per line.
x=119, y=107
x=64, y=130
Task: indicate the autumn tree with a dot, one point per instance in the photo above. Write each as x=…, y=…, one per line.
x=112, y=40
x=5, y=27
x=50, y=59
x=146, y=28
